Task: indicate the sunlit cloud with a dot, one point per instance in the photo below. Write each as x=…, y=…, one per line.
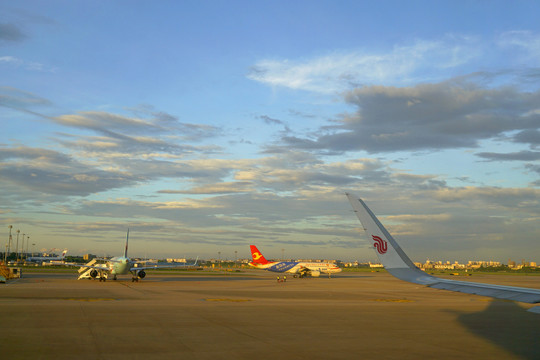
x=215, y=188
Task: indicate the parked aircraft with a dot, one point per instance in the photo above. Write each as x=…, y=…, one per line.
x=47, y=258
x=123, y=265
x=397, y=263
x=293, y=267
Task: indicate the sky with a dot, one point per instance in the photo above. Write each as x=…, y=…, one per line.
x=207, y=126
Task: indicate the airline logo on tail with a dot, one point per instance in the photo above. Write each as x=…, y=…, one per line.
x=258, y=258
x=380, y=244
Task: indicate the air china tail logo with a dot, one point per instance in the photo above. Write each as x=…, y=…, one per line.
x=256, y=256
x=380, y=244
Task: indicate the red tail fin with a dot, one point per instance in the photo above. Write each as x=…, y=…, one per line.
x=258, y=258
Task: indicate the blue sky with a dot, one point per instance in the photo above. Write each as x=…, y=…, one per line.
x=205, y=127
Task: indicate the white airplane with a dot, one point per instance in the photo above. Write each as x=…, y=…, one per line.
x=396, y=262
x=300, y=268
x=123, y=265
x=47, y=258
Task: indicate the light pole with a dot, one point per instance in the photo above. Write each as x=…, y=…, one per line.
x=17, y=249
x=10, y=238
x=27, y=242
x=22, y=245
x=235, y=258
x=219, y=258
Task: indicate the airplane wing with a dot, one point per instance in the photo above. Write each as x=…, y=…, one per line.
x=397, y=263
x=162, y=266
x=95, y=266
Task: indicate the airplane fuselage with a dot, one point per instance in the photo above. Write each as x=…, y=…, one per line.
x=295, y=267
x=120, y=265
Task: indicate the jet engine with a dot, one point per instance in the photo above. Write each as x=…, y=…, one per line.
x=93, y=273
x=315, y=273
x=141, y=274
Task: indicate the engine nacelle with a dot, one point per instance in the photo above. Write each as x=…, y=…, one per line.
x=93, y=273
x=141, y=274
x=315, y=273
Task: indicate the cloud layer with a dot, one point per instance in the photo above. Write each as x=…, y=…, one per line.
x=191, y=184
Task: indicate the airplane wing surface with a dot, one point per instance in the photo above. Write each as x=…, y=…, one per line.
x=95, y=266
x=397, y=263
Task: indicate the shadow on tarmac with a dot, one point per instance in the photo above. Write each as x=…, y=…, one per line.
x=507, y=325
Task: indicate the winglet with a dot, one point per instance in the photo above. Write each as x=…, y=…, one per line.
x=399, y=265
x=393, y=258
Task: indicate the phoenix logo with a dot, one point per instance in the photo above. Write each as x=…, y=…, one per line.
x=256, y=256
x=380, y=244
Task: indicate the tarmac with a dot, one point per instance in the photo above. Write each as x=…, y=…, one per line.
x=249, y=315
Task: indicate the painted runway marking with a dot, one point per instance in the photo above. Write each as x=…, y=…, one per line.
x=91, y=299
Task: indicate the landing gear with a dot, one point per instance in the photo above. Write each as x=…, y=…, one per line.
x=114, y=278
x=134, y=279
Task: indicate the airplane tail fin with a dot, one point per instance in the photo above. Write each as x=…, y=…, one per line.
x=393, y=258
x=63, y=254
x=126, y=249
x=399, y=265
x=258, y=258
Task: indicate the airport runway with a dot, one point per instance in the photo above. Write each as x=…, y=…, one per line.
x=252, y=316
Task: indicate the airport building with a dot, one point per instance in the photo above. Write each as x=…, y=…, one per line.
x=472, y=265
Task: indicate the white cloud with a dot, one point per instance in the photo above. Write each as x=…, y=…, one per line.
x=27, y=65
x=526, y=41
x=10, y=60
x=342, y=70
